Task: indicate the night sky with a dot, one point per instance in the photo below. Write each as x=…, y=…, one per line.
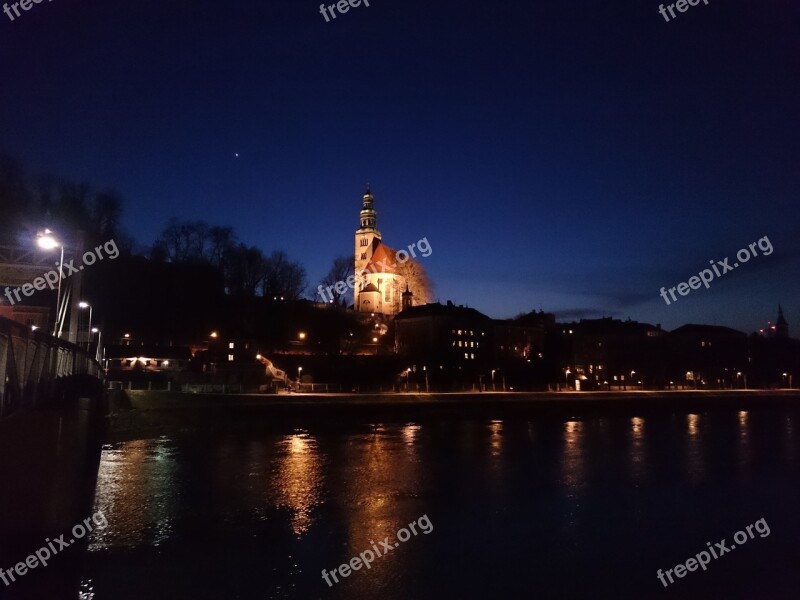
x=567, y=156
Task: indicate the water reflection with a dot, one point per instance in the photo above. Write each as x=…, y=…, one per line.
x=637, y=452
x=297, y=483
x=380, y=472
x=136, y=492
x=86, y=590
x=744, y=439
x=496, y=437
x=410, y=433
x=572, y=461
x=692, y=421
x=695, y=465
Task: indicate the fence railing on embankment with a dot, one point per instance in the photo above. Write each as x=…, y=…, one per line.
x=36, y=367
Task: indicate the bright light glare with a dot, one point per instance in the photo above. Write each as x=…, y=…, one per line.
x=47, y=242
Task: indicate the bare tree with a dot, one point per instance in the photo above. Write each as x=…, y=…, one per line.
x=246, y=269
x=14, y=195
x=184, y=241
x=221, y=242
x=284, y=278
x=415, y=276
x=341, y=269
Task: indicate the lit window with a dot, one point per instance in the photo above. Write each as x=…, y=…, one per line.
x=472, y=356
x=230, y=357
x=230, y=345
x=472, y=344
x=460, y=343
x=459, y=332
x=466, y=355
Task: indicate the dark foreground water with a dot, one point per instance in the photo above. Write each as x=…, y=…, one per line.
x=529, y=508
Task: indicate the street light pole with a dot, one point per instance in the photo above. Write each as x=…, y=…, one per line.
x=89, y=334
x=58, y=298
x=97, y=350
x=46, y=241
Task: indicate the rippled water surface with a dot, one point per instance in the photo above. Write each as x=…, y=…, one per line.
x=529, y=508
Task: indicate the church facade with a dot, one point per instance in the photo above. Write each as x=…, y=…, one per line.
x=380, y=288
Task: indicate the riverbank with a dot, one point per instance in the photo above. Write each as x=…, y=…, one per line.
x=162, y=413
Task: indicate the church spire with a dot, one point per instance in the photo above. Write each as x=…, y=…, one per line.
x=368, y=216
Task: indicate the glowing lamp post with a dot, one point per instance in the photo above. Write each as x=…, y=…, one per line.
x=89, y=336
x=46, y=241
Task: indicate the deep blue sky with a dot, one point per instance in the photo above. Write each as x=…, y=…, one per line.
x=570, y=156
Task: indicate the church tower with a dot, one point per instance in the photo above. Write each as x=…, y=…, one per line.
x=408, y=298
x=367, y=236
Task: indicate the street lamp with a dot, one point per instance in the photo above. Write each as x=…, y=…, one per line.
x=46, y=241
x=493, y=389
x=302, y=335
x=739, y=374
x=99, y=338
x=89, y=306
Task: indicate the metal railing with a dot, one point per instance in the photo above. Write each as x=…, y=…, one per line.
x=34, y=366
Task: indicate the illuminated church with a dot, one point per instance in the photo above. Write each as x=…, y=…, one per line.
x=380, y=287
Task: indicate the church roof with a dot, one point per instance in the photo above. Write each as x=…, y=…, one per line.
x=384, y=260
x=370, y=287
